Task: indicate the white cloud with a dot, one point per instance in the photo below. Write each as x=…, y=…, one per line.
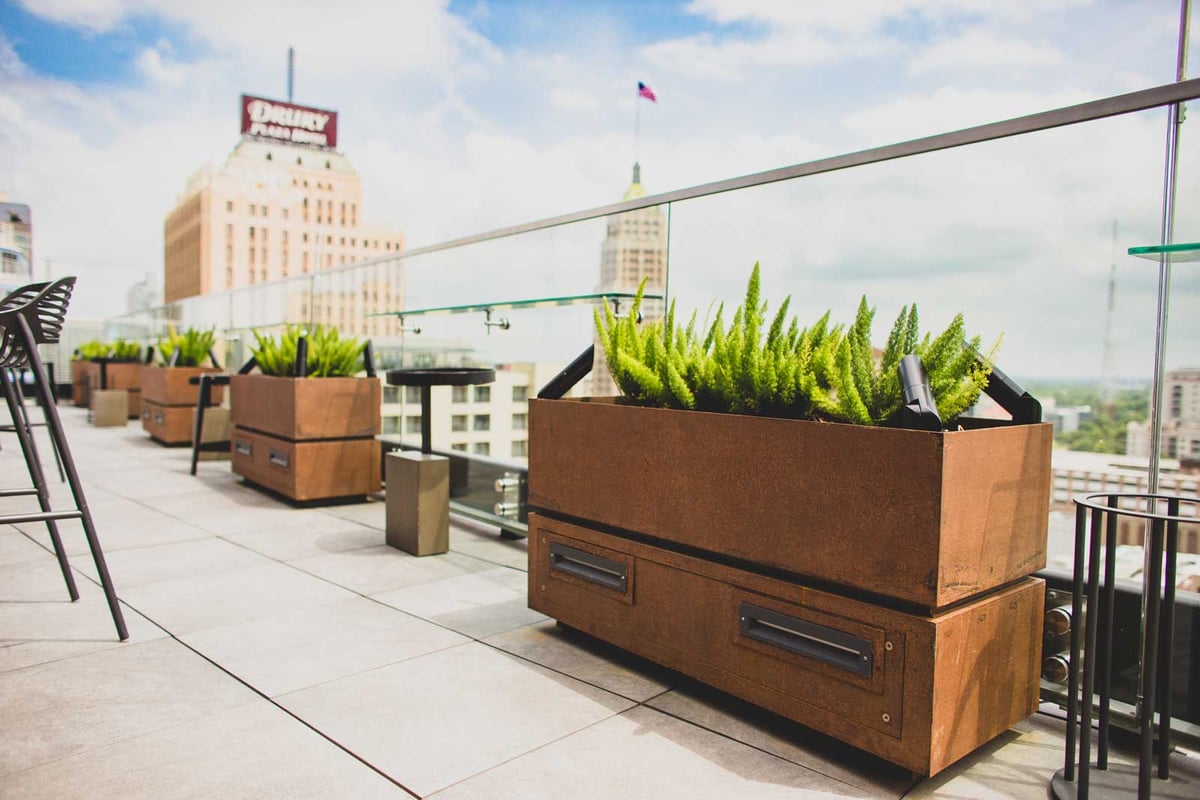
x=980, y=49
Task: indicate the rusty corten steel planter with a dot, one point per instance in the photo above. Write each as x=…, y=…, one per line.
x=307, y=438
x=921, y=518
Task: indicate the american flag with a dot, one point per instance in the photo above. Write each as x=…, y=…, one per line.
x=646, y=92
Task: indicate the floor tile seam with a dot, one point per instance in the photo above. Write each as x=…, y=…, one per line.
x=529, y=752
x=728, y=737
x=559, y=671
x=360, y=672
x=323, y=579
x=123, y=740
x=114, y=644
x=488, y=560
x=263, y=696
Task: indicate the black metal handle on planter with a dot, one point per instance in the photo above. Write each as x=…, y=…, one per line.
x=277, y=458
x=829, y=646
x=919, y=411
x=244, y=448
x=589, y=567
x=572, y=374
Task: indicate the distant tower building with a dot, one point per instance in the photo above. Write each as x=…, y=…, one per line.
x=16, y=245
x=1180, y=419
x=635, y=246
x=285, y=203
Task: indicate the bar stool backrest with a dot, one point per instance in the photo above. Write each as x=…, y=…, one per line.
x=44, y=307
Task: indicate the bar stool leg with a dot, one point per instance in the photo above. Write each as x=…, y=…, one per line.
x=25, y=437
x=54, y=450
x=59, y=437
x=203, y=400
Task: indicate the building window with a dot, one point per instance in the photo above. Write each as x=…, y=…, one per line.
x=483, y=422
x=412, y=394
x=266, y=211
x=482, y=448
x=458, y=422
x=285, y=213
x=459, y=446
x=252, y=233
x=520, y=422
x=483, y=394
x=253, y=209
x=391, y=424
x=412, y=424
x=229, y=205
x=520, y=394
x=458, y=394
x=520, y=449
x=391, y=394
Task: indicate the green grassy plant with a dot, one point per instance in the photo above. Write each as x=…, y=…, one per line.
x=330, y=355
x=192, y=345
x=822, y=371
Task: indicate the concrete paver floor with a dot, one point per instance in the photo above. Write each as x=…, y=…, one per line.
x=283, y=652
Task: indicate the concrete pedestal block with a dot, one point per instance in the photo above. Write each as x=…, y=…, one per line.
x=110, y=407
x=418, y=503
x=218, y=427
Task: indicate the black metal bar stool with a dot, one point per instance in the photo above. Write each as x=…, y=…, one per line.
x=14, y=377
x=30, y=316
x=1092, y=600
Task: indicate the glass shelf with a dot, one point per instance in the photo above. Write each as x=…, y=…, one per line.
x=1175, y=253
x=539, y=302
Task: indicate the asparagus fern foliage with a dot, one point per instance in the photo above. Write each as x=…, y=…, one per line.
x=823, y=371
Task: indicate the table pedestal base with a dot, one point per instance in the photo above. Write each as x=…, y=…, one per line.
x=418, y=503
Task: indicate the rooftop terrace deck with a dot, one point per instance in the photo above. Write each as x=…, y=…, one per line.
x=282, y=652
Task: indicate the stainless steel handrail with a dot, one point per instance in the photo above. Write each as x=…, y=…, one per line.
x=1090, y=111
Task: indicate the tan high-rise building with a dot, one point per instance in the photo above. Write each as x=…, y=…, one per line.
x=277, y=210
x=16, y=244
x=635, y=247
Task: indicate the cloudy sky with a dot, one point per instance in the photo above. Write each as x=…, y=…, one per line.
x=468, y=116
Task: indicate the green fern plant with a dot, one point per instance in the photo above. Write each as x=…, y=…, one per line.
x=823, y=371
x=125, y=350
x=90, y=351
x=329, y=354
x=192, y=346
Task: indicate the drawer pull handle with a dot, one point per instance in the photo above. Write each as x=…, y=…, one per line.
x=243, y=448
x=589, y=567
x=277, y=458
x=159, y=418
x=808, y=639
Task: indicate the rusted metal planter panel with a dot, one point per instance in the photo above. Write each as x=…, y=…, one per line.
x=917, y=517
x=306, y=408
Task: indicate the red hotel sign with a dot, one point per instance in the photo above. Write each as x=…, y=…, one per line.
x=283, y=122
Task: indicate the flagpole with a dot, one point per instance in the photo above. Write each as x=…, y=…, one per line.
x=637, y=125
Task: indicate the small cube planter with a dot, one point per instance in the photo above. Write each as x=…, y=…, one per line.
x=169, y=402
x=307, y=438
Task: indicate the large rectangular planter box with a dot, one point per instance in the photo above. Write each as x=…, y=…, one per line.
x=168, y=386
x=306, y=408
x=914, y=517
x=307, y=438
x=307, y=470
x=169, y=402
x=120, y=375
x=920, y=691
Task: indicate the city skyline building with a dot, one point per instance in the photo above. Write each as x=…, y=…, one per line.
x=284, y=203
x=634, y=247
x=16, y=244
x=1180, y=419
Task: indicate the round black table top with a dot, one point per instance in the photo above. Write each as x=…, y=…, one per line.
x=440, y=376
